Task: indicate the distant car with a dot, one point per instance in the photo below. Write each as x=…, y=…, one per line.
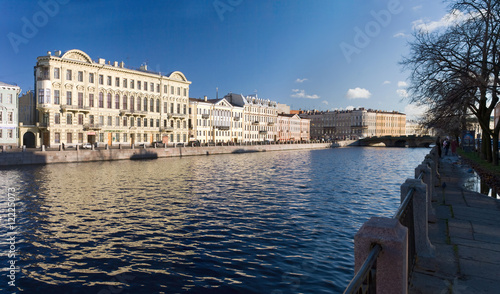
x=194, y=143
x=87, y=146
x=180, y=145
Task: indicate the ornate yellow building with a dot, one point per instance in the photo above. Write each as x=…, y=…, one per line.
x=80, y=100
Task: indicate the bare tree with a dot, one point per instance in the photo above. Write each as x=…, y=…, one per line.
x=458, y=68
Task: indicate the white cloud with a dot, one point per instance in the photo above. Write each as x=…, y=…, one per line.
x=300, y=80
x=386, y=82
x=357, y=93
x=399, y=35
x=350, y=107
x=414, y=112
x=302, y=94
x=402, y=93
x=324, y=102
x=402, y=84
x=452, y=18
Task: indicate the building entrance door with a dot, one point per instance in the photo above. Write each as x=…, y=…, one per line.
x=46, y=138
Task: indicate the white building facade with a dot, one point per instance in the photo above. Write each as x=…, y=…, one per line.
x=9, y=114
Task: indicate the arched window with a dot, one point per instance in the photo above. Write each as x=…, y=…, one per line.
x=101, y=100
x=117, y=101
x=145, y=104
x=139, y=103
x=132, y=103
x=178, y=124
x=151, y=105
x=157, y=105
x=124, y=102
x=109, y=102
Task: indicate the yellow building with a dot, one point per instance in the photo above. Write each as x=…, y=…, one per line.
x=80, y=100
x=390, y=123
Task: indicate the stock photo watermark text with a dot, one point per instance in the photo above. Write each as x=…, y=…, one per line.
x=10, y=223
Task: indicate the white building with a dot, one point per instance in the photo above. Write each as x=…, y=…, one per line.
x=9, y=114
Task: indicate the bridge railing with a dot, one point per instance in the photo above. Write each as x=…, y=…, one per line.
x=401, y=238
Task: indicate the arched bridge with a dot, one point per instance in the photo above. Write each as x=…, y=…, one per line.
x=402, y=141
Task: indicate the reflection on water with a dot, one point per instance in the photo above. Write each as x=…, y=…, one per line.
x=275, y=222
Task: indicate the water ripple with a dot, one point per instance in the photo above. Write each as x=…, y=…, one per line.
x=249, y=223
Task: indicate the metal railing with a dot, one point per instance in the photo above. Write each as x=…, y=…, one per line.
x=364, y=282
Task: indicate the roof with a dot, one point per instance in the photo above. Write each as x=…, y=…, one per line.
x=2, y=84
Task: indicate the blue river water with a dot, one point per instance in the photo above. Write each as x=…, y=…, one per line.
x=269, y=222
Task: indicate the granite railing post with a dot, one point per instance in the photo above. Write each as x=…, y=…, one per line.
x=24, y=148
x=392, y=262
x=434, y=169
x=423, y=246
x=43, y=147
x=428, y=181
x=106, y=147
x=119, y=146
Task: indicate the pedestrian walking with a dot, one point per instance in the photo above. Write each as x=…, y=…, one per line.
x=446, y=146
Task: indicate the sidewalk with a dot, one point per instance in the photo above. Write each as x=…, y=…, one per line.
x=466, y=236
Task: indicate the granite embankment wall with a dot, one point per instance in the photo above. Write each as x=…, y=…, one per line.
x=84, y=155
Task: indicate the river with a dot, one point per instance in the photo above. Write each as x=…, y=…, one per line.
x=267, y=222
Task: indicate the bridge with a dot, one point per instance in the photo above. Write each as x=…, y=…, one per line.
x=402, y=141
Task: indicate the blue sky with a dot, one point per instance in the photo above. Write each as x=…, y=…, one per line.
x=310, y=54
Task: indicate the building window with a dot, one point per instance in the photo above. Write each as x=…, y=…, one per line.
x=178, y=91
x=125, y=138
x=117, y=82
x=69, y=138
x=68, y=74
x=185, y=92
x=157, y=88
x=151, y=123
x=171, y=107
x=57, y=138
x=56, y=73
x=57, y=118
x=158, y=105
x=91, y=78
x=152, y=87
x=110, y=101
x=132, y=103
x=124, y=103
x=80, y=99
x=91, y=100
x=139, y=122
x=56, y=96
x=165, y=107
x=151, y=105
x=80, y=76
x=101, y=80
x=69, y=98
x=125, y=121
x=157, y=123
x=117, y=101
x=124, y=83
x=165, y=89
x=145, y=104
x=117, y=121
x=145, y=122
x=41, y=96
x=69, y=119
x=139, y=103
x=101, y=100
x=80, y=119
x=109, y=80
x=80, y=138
x=172, y=90
x=132, y=120
x=101, y=120
x=145, y=86
x=178, y=108
x=132, y=84
x=138, y=85
x=184, y=109
x=117, y=137
x=145, y=137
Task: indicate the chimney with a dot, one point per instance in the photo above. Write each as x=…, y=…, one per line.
x=205, y=97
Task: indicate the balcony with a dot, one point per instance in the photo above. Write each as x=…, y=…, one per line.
x=43, y=125
x=222, y=128
x=178, y=115
x=166, y=129
x=262, y=132
x=88, y=127
x=75, y=108
x=236, y=118
x=255, y=122
x=270, y=123
x=205, y=116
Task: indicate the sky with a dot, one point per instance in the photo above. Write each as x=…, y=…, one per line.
x=309, y=54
